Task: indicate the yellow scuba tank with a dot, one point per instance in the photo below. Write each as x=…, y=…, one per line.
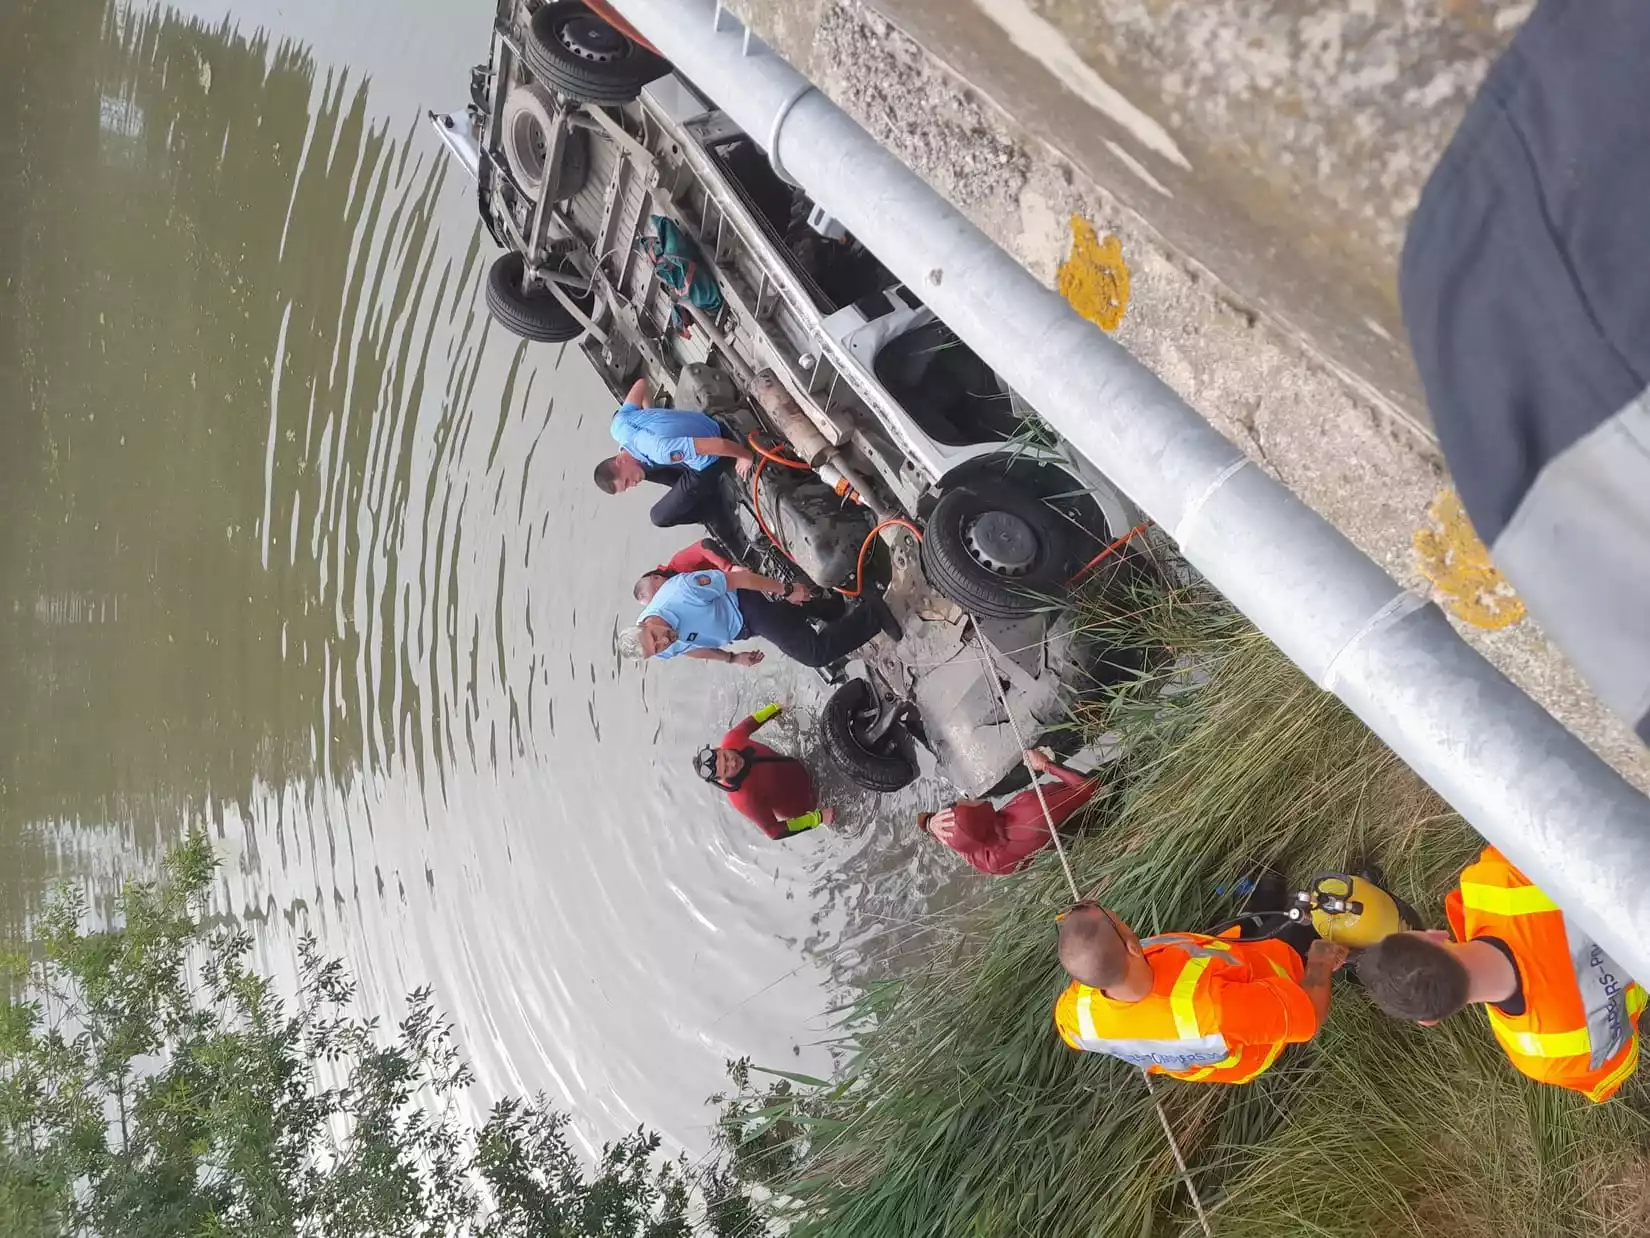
x=1352, y=911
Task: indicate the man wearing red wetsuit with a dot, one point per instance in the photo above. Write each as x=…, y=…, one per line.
x=774, y=791
x=1000, y=840
x=699, y=557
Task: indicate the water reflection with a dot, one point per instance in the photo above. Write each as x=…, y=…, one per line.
x=294, y=544
x=190, y=220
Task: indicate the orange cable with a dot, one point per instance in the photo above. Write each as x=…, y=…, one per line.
x=1109, y=550
x=768, y=457
x=756, y=502
x=859, y=567
x=774, y=457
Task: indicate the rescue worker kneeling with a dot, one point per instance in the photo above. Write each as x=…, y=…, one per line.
x=1200, y=1008
x=1562, y=1009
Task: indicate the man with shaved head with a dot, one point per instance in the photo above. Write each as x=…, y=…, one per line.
x=1201, y=1008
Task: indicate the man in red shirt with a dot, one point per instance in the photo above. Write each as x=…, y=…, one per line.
x=774, y=791
x=699, y=557
x=1000, y=841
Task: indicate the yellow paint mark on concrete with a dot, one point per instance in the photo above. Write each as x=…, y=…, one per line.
x=1450, y=555
x=1095, y=279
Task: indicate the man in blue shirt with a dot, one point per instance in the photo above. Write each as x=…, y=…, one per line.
x=686, y=451
x=698, y=613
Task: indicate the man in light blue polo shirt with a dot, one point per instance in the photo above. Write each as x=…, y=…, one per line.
x=699, y=613
x=686, y=451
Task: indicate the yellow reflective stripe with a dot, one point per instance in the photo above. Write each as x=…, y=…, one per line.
x=1576, y=1043
x=1629, y=1063
x=1085, y=1016
x=1553, y=1044
x=1505, y=900
x=1197, y=1076
x=1203, y=1072
x=1181, y=999
x=1264, y=1065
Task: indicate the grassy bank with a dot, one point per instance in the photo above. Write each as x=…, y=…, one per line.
x=964, y=1115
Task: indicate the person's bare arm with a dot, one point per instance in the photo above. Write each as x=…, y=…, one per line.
x=1323, y=959
x=1069, y=777
x=1038, y=761
x=744, y=578
x=743, y=456
x=637, y=394
x=748, y=658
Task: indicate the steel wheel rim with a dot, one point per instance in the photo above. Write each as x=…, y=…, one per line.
x=531, y=143
x=1002, y=543
x=590, y=38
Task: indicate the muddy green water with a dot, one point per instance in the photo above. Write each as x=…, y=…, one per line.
x=294, y=545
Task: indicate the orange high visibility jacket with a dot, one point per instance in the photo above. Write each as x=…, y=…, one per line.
x=1220, y=1010
x=1579, y=1028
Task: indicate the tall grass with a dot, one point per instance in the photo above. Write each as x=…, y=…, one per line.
x=965, y=1115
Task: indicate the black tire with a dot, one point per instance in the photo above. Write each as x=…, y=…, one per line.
x=886, y=767
x=955, y=566
x=570, y=49
x=537, y=316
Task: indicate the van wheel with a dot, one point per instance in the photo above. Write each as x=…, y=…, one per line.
x=997, y=552
x=535, y=315
x=570, y=49
x=526, y=125
x=880, y=764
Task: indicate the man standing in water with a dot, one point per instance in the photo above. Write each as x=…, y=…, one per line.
x=1205, y=1009
x=686, y=451
x=774, y=791
x=699, y=613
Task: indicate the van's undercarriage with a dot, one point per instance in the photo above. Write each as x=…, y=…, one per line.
x=637, y=219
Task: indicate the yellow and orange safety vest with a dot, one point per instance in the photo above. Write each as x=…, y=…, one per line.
x=1579, y=1028
x=1220, y=1010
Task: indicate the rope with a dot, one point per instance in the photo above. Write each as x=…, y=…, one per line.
x=1020, y=739
x=1179, y=1160
x=1077, y=895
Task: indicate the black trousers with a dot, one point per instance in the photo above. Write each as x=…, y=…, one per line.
x=694, y=498
x=786, y=628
